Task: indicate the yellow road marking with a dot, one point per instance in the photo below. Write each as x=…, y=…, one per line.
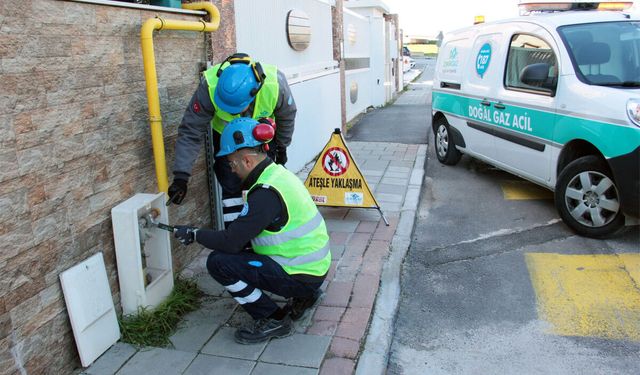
x=631, y=264
x=523, y=190
x=588, y=295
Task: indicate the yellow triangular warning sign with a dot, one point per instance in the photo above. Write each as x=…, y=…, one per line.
x=336, y=180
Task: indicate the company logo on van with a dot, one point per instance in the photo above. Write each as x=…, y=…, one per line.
x=483, y=59
x=452, y=61
x=450, y=65
x=453, y=54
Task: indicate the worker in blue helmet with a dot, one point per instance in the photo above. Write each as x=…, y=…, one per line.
x=290, y=253
x=233, y=93
x=236, y=87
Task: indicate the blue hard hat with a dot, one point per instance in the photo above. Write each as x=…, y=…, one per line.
x=238, y=134
x=236, y=88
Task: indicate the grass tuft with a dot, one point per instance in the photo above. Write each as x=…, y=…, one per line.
x=152, y=327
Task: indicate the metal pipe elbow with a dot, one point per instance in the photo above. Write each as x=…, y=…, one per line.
x=213, y=11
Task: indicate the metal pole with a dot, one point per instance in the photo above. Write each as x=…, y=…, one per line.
x=215, y=191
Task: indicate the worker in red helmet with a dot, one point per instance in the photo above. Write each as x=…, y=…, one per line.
x=236, y=87
x=290, y=253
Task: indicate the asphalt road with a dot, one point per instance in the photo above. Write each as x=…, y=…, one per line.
x=495, y=283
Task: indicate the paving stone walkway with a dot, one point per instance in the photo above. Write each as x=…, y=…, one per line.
x=329, y=339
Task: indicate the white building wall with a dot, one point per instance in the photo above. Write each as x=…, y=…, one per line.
x=378, y=59
x=312, y=74
x=357, y=41
x=359, y=81
x=374, y=10
x=391, y=56
x=357, y=54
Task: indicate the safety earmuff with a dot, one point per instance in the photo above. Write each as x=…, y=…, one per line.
x=260, y=77
x=256, y=68
x=264, y=132
x=239, y=58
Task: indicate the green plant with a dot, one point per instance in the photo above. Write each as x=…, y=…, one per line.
x=152, y=327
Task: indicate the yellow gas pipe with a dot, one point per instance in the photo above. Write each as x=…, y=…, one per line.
x=150, y=75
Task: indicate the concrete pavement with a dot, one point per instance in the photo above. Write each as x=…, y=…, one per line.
x=328, y=341
x=361, y=290
x=410, y=75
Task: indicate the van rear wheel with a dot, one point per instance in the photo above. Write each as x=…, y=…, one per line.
x=587, y=198
x=446, y=150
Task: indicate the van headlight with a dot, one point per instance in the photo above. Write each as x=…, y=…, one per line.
x=633, y=111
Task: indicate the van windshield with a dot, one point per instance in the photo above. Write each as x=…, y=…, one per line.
x=605, y=54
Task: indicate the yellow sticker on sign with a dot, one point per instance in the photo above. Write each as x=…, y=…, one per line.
x=335, y=179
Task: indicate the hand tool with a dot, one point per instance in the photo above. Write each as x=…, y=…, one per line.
x=150, y=220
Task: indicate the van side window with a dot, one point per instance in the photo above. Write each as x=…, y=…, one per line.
x=531, y=65
x=604, y=53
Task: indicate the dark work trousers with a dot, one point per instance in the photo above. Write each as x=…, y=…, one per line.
x=231, y=185
x=246, y=275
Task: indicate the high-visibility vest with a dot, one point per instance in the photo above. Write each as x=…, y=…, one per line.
x=265, y=102
x=302, y=245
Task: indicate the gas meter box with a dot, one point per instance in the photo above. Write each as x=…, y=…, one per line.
x=143, y=251
x=553, y=97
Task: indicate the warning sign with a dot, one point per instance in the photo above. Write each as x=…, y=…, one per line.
x=335, y=179
x=335, y=161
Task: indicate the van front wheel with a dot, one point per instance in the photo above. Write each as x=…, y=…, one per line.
x=587, y=198
x=446, y=150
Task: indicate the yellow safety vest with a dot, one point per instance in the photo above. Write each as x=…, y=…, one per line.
x=265, y=103
x=302, y=245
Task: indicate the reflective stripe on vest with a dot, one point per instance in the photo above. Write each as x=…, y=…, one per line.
x=277, y=239
x=302, y=259
x=302, y=245
x=264, y=104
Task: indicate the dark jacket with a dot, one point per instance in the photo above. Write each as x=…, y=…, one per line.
x=197, y=117
x=263, y=210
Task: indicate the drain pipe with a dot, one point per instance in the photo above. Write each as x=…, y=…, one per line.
x=151, y=77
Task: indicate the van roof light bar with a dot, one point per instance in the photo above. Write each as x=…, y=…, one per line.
x=615, y=5
x=530, y=7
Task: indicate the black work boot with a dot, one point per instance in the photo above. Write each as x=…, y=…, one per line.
x=299, y=306
x=263, y=330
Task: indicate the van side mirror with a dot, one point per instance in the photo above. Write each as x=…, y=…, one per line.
x=537, y=75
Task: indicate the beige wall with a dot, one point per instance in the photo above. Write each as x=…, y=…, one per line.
x=74, y=142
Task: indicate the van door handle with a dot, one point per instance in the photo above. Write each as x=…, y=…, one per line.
x=485, y=102
x=499, y=105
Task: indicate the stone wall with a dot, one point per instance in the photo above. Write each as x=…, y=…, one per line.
x=76, y=142
x=223, y=41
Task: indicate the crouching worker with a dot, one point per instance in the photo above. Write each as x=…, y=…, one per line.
x=288, y=235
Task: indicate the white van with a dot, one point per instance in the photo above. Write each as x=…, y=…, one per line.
x=553, y=97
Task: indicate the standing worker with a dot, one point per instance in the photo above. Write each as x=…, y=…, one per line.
x=291, y=254
x=236, y=87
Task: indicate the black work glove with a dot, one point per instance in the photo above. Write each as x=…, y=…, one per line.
x=185, y=234
x=281, y=156
x=177, y=191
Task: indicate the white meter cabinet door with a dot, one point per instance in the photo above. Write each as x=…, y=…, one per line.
x=90, y=308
